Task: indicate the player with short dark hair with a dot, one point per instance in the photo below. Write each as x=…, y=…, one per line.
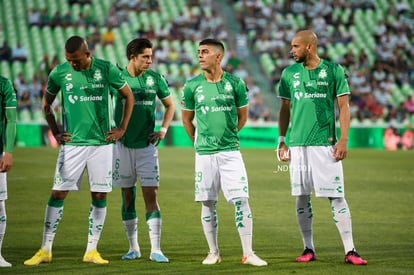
x=308, y=90
x=86, y=140
x=218, y=100
x=136, y=154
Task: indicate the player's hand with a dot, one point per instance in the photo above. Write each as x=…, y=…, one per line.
x=62, y=138
x=6, y=163
x=156, y=137
x=114, y=134
x=340, y=150
x=283, y=152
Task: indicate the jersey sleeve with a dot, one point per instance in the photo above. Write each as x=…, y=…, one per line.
x=341, y=82
x=9, y=95
x=117, y=81
x=187, y=98
x=241, y=98
x=53, y=83
x=284, y=86
x=163, y=90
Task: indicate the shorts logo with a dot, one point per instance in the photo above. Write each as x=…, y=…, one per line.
x=115, y=175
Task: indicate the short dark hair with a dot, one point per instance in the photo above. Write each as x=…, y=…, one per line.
x=137, y=46
x=74, y=43
x=212, y=42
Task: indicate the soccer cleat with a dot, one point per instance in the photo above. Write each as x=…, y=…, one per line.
x=4, y=263
x=212, y=258
x=353, y=257
x=41, y=256
x=158, y=257
x=307, y=256
x=93, y=256
x=253, y=259
x=132, y=255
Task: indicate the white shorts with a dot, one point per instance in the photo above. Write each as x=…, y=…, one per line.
x=72, y=162
x=225, y=171
x=131, y=164
x=313, y=167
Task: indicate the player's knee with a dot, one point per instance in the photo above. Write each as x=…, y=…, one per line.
x=98, y=195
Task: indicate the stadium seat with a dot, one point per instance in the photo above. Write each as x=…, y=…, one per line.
x=24, y=116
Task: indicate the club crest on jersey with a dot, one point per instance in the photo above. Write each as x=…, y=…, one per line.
x=323, y=74
x=97, y=75
x=228, y=87
x=150, y=81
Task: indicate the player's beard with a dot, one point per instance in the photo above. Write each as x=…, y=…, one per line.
x=300, y=58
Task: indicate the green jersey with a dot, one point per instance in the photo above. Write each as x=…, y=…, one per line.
x=8, y=101
x=312, y=94
x=215, y=106
x=145, y=88
x=85, y=99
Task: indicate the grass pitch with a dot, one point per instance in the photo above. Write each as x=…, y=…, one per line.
x=379, y=188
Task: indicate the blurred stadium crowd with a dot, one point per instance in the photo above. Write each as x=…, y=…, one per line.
x=373, y=40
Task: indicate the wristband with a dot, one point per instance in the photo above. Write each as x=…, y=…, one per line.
x=163, y=129
x=281, y=139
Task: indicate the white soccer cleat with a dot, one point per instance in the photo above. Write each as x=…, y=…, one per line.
x=253, y=259
x=4, y=263
x=212, y=258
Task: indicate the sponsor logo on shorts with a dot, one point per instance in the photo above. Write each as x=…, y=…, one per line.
x=100, y=184
x=327, y=189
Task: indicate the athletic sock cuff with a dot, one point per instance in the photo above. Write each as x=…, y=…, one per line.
x=128, y=215
x=99, y=203
x=153, y=215
x=55, y=203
